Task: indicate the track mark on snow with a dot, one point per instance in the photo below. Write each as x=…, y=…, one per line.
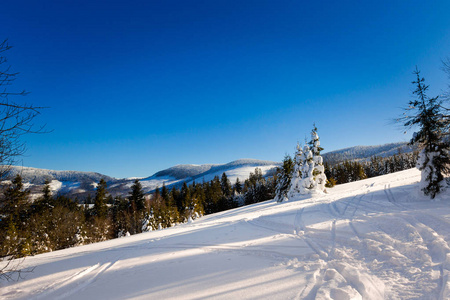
x=391, y=198
x=79, y=281
x=333, y=238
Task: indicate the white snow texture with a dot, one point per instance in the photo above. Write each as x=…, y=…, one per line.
x=377, y=238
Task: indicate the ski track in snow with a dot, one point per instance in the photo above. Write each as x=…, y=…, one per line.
x=372, y=239
x=74, y=283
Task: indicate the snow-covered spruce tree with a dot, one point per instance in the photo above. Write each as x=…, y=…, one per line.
x=307, y=183
x=284, y=176
x=319, y=176
x=313, y=171
x=434, y=160
x=296, y=180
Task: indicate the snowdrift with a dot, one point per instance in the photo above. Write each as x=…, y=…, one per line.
x=372, y=239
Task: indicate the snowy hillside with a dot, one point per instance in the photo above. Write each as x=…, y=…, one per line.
x=175, y=176
x=80, y=184
x=38, y=176
x=371, y=239
x=62, y=182
x=365, y=152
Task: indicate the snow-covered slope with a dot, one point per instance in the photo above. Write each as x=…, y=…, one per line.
x=38, y=176
x=177, y=175
x=372, y=239
x=365, y=152
x=80, y=184
x=62, y=182
x=236, y=169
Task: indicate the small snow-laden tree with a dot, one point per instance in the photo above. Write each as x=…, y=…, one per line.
x=149, y=221
x=284, y=176
x=313, y=171
x=319, y=177
x=434, y=160
x=296, y=179
x=307, y=183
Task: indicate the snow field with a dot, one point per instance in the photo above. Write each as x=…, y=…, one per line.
x=372, y=239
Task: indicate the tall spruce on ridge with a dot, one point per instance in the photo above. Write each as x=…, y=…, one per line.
x=434, y=160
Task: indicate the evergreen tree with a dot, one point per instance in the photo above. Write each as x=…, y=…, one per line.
x=157, y=193
x=226, y=185
x=100, y=208
x=185, y=198
x=313, y=171
x=238, y=186
x=46, y=193
x=13, y=221
x=307, y=170
x=121, y=217
x=319, y=176
x=137, y=196
x=433, y=159
x=256, y=188
x=165, y=194
x=137, y=202
x=175, y=199
x=15, y=201
x=296, y=180
x=284, y=176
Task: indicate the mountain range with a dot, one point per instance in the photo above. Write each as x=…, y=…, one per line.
x=81, y=184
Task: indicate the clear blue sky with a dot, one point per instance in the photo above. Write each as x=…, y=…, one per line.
x=134, y=87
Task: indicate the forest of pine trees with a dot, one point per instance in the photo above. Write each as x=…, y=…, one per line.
x=56, y=222
x=349, y=171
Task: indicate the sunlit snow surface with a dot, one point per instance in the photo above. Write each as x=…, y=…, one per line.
x=372, y=239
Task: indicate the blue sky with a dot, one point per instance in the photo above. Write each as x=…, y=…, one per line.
x=134, y=87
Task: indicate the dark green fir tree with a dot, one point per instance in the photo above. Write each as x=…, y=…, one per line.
x=434, y=160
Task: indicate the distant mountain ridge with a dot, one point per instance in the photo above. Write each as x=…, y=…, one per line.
x=80, y=184
x=38, y=176
x=182, y=171
x=177, y=175
x=366, y=152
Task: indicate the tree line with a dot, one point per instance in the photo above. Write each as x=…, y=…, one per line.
x=49, y=223
x=349, y=171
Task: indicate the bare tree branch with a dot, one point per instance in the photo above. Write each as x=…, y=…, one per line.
x=16, y=120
